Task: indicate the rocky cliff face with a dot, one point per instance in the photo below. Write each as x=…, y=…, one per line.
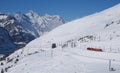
x=7, y=45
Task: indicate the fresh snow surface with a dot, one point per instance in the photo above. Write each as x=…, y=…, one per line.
x=39, y=57
x=68, y=60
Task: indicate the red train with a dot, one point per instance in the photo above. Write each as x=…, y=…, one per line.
x=95, y=49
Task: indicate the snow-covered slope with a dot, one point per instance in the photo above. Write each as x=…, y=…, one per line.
x=89, y=24
x=102, y=25
x=100, y=30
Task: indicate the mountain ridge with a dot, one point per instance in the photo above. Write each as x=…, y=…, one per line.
x=22, y=29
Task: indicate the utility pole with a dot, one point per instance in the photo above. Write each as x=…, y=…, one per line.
x=84, y=70
x=52, y=49
x=51, y=53
x=110, y=65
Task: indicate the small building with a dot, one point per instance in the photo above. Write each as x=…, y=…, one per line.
x=54, y=45
x=94, y=49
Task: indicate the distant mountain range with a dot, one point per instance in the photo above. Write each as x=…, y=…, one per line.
x=23, y=28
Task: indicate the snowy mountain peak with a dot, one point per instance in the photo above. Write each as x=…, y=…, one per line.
x=33, y=14
x=50, y=16
x=21, y=17
x=2, y=16
x=53, y=17
x=44, y=23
